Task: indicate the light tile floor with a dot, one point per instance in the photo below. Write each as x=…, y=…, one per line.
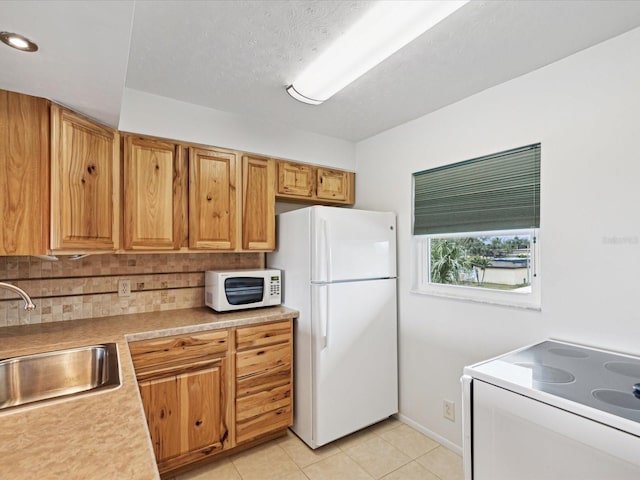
x=389, y=450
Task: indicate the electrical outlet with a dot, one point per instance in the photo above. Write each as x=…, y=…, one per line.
x=124, y=288
x=449, y=410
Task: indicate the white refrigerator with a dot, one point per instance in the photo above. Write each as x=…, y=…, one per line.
x=339, y=270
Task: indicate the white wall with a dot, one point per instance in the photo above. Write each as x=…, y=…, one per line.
x=164, y=117
x=585, y=110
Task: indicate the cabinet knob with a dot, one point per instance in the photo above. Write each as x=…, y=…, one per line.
x=198, y=423
x=208, y=198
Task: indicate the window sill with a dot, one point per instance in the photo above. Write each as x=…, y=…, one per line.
x=485, y=297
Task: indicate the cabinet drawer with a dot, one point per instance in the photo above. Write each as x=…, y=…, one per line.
x=266, y=423
x=262, y=369
x=263, y=402
x=166, y=353
x=261, y=335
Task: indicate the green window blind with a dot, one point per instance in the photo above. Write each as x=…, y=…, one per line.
x=494, y=192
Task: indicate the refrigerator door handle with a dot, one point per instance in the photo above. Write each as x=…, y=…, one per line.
x=325, y=319
x=324, y=252
x=324, y=315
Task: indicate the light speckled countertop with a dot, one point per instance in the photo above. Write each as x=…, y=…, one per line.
x=102, y=434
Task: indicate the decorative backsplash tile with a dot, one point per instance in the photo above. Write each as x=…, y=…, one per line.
x=69, y=289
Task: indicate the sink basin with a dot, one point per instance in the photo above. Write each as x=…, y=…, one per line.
x=61, y=373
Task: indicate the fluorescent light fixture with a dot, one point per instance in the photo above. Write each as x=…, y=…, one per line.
x=17, y=41
x=383, y=30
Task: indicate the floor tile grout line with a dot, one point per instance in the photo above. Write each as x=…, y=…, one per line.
x=427, y=468
x=306, y=446
x=376, y=432
x=388, y=473
x=235, y=468
x=291, y=458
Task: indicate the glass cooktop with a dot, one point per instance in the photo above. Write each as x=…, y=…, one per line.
x=595, y=378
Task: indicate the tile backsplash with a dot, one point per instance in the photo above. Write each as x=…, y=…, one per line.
x=70, y=289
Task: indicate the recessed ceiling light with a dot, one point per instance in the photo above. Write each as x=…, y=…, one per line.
x=383, y=30
x=18, y=41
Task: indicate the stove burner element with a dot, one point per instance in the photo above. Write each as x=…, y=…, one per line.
x=567, y=352
x=547, y=374
x=624, y=368
x=617, y=398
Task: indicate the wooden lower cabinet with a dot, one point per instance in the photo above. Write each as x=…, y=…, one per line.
x=185, y=415
x=185, y=386
x=264, y=387
x=204, y=395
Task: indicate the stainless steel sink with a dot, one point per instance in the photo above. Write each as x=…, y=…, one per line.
x=61, y=373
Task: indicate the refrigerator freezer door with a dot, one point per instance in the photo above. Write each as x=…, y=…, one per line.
x=355, y=380
x=349, y=244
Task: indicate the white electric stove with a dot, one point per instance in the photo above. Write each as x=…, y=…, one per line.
x=553, y=410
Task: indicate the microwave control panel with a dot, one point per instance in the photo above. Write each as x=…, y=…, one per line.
x=274, y=289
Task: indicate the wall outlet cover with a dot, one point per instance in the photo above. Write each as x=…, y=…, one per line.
x=124, y=288
x=449, y=410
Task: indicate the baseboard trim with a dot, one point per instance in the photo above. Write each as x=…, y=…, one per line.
x=441, y=440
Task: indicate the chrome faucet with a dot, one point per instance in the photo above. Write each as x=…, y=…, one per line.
x=28, y=304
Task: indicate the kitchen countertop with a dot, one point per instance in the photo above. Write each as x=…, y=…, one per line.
x=101, y=434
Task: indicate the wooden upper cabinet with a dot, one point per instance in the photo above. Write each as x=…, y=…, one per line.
x=24, y=174
x=153, y=187
x=334, y=185
x=300, y=182
x=258, y=203
x=85, y=169
x=296, y=179
x=213, y=198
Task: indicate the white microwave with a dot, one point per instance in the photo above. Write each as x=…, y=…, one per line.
x=236, y=290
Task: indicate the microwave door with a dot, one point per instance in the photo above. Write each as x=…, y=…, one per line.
x=244, y=290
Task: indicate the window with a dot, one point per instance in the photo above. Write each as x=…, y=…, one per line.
x=476, y=227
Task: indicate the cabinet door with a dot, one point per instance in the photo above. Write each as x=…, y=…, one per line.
x=296, y=179
x=84, y=183
x=24, y=174
x=334, y=185
x=186, y=415
x=212, y=199
x=153, y=182
x=258, y=205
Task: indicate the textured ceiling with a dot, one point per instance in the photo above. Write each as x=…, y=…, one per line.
x=237, y=56
x=82, y=60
